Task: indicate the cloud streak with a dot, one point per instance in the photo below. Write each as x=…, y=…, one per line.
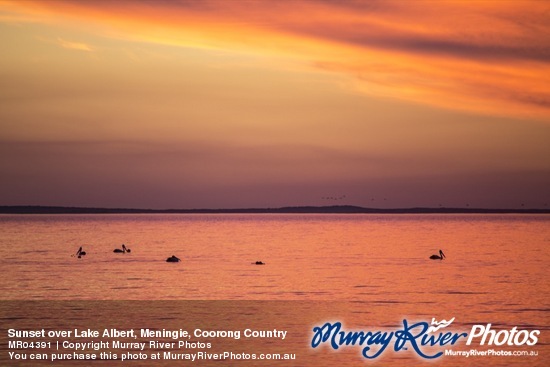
x=74, y=45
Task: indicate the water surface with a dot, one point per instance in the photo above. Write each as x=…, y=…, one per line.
x=495, y=271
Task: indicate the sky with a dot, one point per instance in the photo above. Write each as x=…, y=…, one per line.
x=238, y=104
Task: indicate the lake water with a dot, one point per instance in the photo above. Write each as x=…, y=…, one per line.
x=376, y=268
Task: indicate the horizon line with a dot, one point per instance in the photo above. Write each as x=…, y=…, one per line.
x=331, y=209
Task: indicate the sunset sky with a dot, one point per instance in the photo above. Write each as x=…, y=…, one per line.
x=231, y=104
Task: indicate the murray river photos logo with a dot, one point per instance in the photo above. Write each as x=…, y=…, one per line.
x=427, y=340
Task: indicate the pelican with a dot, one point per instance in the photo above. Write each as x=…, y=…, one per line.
x=441, y=256
x=173, y=259
x=80, y=253
x=124, y=249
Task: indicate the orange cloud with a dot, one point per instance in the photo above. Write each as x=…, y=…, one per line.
x=74, y=45
x=486, y=57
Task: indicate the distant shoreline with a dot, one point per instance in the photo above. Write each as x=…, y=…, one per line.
x=336, y=209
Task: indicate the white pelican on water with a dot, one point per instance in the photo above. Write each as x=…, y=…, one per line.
x=436, y=257
x=124, y=249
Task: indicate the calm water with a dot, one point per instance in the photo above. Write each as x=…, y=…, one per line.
x=496, y=268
